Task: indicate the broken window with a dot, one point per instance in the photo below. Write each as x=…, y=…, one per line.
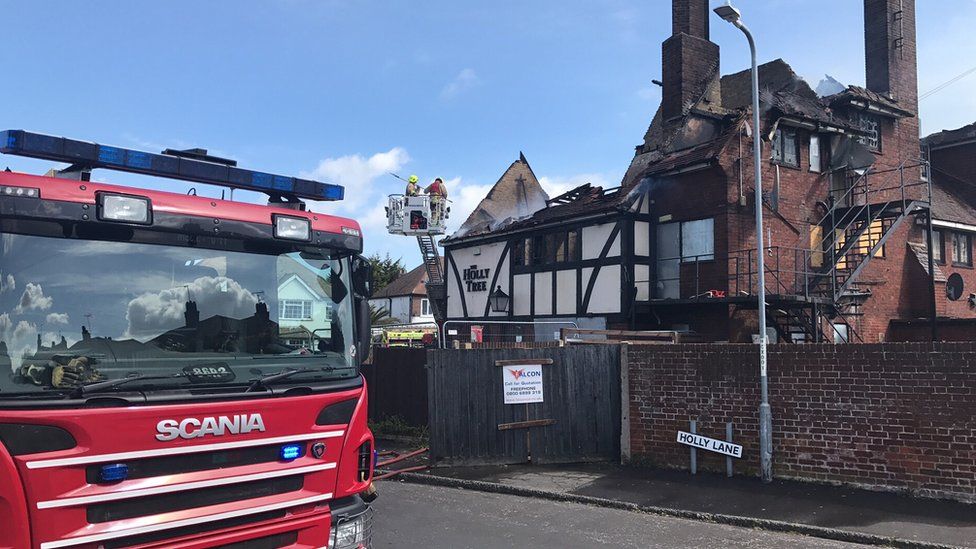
x=871, y=126
x=785, y=148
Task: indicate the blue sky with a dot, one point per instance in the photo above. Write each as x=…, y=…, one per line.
x=347, y=90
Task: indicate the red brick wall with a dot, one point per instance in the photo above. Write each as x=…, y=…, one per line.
x=894, y=416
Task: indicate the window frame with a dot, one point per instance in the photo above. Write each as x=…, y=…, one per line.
x=956, y=235
x=284, y=304
x=548, y=249
x=783, y=137
x=425, y=307
x=865, y=119
x=815, y=166
x=938, y=241
x=691, y=258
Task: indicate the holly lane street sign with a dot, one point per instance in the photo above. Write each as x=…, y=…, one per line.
x=710, y=444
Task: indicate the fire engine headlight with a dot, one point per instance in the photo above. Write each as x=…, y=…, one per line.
x=353, y=533
x=21, y=192
x=292, y=228
x=124, y=208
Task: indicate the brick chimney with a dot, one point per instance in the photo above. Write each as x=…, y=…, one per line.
x=689, y=59
x=890, y=51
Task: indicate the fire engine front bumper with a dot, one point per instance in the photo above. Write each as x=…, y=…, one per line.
x=352, y=524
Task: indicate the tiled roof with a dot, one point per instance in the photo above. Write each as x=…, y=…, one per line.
x=948, y=137
x=922, y=255
x=592, y=200
x=411, y=283
x=516, y=195
x=953, y=200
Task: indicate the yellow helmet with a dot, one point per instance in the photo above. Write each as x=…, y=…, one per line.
x=414, y=179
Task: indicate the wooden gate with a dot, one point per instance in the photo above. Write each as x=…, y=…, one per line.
x=579, y=419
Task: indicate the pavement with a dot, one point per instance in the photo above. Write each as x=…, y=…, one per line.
x=414, y=515
x=831, y=509
x=830, y=512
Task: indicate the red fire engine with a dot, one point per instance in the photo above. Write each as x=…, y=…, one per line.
x=178, y=371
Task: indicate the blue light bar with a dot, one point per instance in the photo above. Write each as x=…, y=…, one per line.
x=291, y=452
x=113, y=473
x=93, y=155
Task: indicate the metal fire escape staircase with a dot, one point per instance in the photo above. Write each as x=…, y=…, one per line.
x=855, y=229
x=436, y=283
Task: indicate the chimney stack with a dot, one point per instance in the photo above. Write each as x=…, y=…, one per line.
x=689, y=60
x=890, y=51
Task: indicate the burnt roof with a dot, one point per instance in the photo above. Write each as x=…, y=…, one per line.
x=775, y=76
x=857, y=93
x=949, y=137
x=516, y=195
x=410, y=283
x=587, y=200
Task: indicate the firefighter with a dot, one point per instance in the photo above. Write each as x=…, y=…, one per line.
x=438, y=197
x=413, y=189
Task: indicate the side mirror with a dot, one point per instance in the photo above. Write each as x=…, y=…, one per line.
x=362, y=277
x=362, y=286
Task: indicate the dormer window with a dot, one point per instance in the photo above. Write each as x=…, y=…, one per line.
x=871, y=126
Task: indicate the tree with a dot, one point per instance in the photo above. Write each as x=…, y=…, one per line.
x=385, y=270
x=380, y=316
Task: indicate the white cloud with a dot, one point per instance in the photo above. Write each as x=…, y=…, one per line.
x=154, y=313
x=358, y=175
x=7, y=283
x=57, y=318
x=465, y=198
x=465, y=80
x=33, y=298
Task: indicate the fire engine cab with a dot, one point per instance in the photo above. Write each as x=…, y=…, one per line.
x=176, y=370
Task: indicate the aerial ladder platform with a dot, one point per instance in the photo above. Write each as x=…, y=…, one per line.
x=425, y=217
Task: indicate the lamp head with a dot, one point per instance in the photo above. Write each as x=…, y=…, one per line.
x=729, y=13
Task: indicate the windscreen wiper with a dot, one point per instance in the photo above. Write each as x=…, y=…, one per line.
x=99, y=386
x=263, y=381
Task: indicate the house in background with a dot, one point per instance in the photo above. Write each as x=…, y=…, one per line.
x=952, y=158
x=304, y=305
x=406, y=298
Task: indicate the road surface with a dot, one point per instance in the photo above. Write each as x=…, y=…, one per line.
x=411, y=515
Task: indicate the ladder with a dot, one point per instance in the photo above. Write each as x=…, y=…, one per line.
x=436, y=285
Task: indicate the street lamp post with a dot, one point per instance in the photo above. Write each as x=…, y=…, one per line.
x=733, y=16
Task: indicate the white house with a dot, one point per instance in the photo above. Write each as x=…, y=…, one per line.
x=304, y=307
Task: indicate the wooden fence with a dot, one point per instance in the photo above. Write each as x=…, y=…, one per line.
x=579, y=419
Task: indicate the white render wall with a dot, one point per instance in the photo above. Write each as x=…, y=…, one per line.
x=482, y=256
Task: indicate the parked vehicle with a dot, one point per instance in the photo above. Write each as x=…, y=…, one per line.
x=177, y=370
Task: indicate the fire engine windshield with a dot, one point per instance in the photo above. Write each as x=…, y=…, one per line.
x=74, y=312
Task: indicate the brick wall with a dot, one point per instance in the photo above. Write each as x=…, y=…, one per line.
x=893, y=416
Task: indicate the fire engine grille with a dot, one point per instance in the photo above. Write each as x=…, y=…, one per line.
x=269, y=542
x=178, y=501
x=188, y=463
x=132, y=541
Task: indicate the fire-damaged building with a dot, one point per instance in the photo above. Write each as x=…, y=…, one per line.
x=846, y=199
